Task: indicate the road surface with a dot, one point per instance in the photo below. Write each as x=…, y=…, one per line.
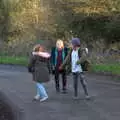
x=16, y=83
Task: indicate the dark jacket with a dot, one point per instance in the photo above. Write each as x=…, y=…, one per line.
x=54, y=53
x=54, y=59
x=85, y=64
x=38, y=66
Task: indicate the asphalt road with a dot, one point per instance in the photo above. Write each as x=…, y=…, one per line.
x=16, y=83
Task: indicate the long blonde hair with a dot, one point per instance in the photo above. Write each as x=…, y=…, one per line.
x=59, y=44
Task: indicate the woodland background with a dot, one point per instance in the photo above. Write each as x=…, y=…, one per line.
x=24, y=23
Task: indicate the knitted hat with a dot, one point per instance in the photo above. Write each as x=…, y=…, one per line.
x=75, y=41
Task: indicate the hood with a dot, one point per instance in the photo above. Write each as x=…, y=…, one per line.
x=42, y=54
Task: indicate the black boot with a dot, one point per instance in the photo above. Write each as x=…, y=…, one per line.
x=64, y=90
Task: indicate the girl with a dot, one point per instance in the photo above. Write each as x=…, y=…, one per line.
x=75, y=58
x=39, y=69
x=58, y=55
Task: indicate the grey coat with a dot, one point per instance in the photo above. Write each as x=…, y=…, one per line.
x=38, y=66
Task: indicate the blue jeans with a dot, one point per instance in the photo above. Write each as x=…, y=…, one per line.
x=41, y=90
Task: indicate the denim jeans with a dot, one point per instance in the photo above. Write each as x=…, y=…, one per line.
x=80, y=76
x=41, y=90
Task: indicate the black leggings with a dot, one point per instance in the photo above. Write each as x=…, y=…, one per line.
x=64, y=81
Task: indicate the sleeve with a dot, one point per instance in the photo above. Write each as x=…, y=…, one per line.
x=49, y=65
x=52, y=56
x=82, y=56
x=85, y=63
x=67, y=59
x=66, y=51
x=31, y=64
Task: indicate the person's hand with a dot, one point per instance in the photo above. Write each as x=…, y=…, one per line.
x=78, y=62
x=60, y=68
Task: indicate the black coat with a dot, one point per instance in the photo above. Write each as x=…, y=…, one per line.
x=38, y=66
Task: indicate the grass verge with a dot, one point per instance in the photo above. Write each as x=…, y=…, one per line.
x=110, y=68
x=13, y=60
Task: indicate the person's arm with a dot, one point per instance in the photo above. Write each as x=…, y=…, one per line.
x=31, y=64
x=67, y=59
x=52, y=56
x=82, y=56
x=49, y=65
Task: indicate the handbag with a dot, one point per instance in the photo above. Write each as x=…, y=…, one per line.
x=86, y=65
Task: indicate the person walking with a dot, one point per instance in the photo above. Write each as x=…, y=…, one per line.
x=75, y=58
x=37, y=66
x=58, y=55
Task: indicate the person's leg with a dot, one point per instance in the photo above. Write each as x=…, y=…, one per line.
x=75, y=83
x=37, y=89
x=64, y=80
x=37, y=97
x=57, y=80
x=42, y=92
x=84, y=84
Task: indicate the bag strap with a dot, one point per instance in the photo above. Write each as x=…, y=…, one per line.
x=79, y=52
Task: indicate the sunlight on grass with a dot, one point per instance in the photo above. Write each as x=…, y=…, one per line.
x=112, y=68
x=14, y=60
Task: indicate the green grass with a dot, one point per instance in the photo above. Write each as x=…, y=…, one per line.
x=13, y=60
x=111, y=68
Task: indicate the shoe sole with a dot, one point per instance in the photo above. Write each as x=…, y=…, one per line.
x=44, y=99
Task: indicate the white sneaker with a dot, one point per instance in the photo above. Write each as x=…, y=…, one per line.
x=37, y=97
x=43, y=99
x=87, y=97
x=75, y=98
